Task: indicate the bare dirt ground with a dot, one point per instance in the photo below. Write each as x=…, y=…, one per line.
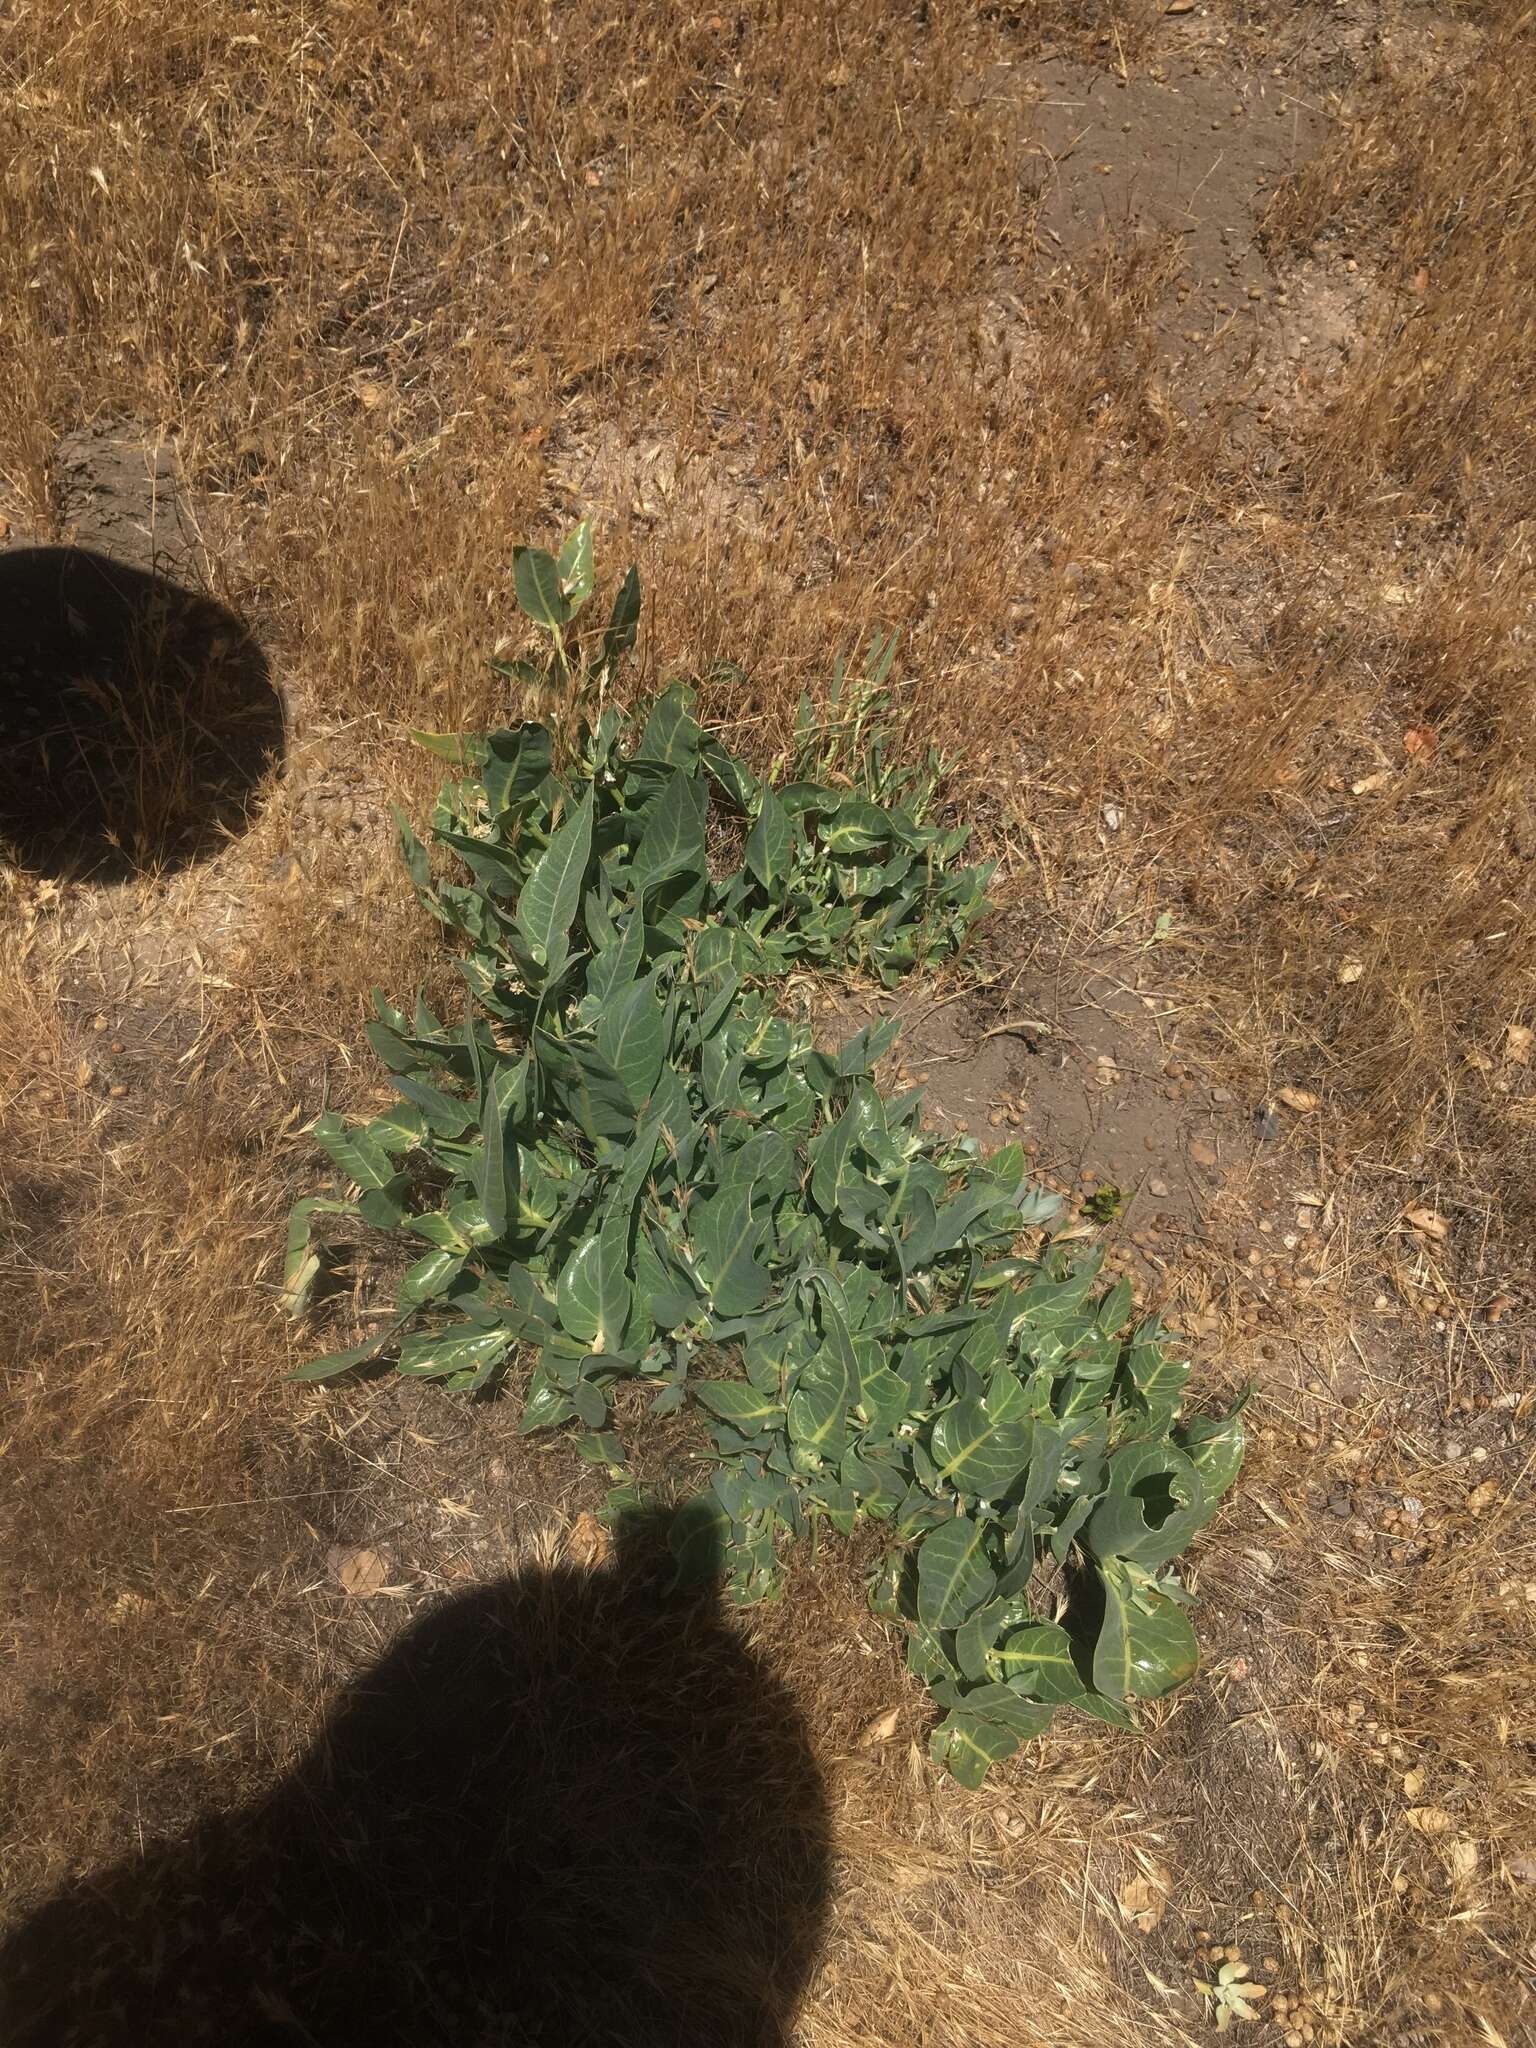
x=1166, y=376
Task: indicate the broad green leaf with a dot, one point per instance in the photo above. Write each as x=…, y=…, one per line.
x=430, y=1277
x=536, y=580
x=977, y=1456
x=447, y=1116
x=498, y=1176
x=1146, y=1645
x=1214, y=1445
x=552, y=891
x=671, y=731
x=1037, y=1659
x=672, y=843
x=431, y=1353
x=818, y=1407
x=613, y=967
x=698, y=1539
x=632, y=1036
x=334, y=1362
x=1153, y=1504
x=953, y=1575
x=515, y=765
x=967, y=1747
x=623, y=622
x=770, y=844
x=729, y=1237
x=593, y=1294
x=856, y=827
x=574, y=567
x=360, y=1156
x=739, y=1404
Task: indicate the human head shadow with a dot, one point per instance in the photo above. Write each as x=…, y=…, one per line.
x=568, y=1808
x=137, y=719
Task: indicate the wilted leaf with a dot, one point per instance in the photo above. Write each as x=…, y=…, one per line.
x=589, y=1543
x=1428, y=1222
x=1300, y=1099
x=1144, y=1899
x=358, y=1571
x=881, y=1729
x=1430, y=1820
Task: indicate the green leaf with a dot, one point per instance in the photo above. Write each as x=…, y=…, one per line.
x=967, y=1747
x=552, y=892
x=856, y=827
x=671, y=732
x=633, y=1036
x=672, y=843
x=623, y=622
x=497, y=1180
x=430, y=1277
x=818, y=1407
x=698, y=1538
x=447, y=1116
x=359, y=1155
x=739, y=1404
x=593, y=1292
x=1153, y=1504
x=431, y=1353
x=953, y=1575
x=729, y=1237
x=1214, y=1445
x=1146, y=1645
x=1038, y=1659
x=515, y=765
x=770, y=845
x=334, y=1362
x=977, y=1456
x=536, y=580
x=574, y=568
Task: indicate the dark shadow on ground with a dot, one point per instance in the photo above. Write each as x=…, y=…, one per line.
x=137, y=719
x=566, y=1809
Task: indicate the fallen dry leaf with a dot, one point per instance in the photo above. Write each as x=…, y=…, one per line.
x=359, y=1572
x=1463, y=1860
x=1483, y=1496
x=1421, y=280
x=1369, y=782
x=1429, y=1820
x=881, y=1729
x=1144, y=1899
x=589, y=1542
x=1522, y=1866
x=1517, y=1044
x=1299, y=1099
x=1420, y=741
x=1413, y=1784
x=1351, y=971
x=1428, y=1222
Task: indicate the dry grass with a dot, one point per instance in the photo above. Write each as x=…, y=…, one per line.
x=761, y=291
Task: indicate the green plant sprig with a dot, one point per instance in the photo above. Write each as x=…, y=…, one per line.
x=626, y=1163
